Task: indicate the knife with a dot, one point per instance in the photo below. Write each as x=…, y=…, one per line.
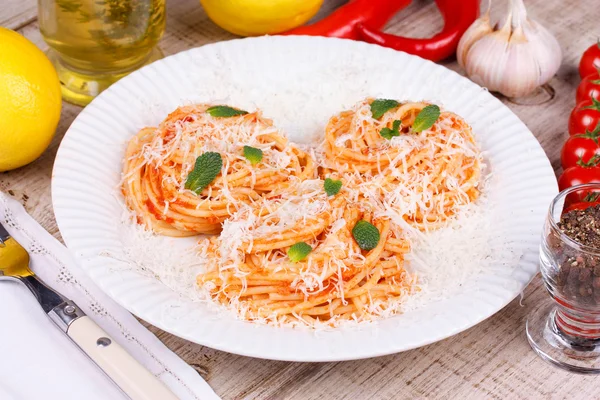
x=124, y=370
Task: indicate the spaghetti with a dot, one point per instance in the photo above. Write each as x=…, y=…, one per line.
x=397, y=177
x=421, y=177
x=249, y=269
x=158, y=161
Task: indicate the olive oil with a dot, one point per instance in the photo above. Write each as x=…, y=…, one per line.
x=96, y=42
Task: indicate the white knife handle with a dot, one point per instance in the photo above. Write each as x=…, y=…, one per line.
x=135, y=380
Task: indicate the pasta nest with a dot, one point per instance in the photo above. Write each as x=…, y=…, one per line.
x=159, y=159
x=249, y=269
x=422, y=177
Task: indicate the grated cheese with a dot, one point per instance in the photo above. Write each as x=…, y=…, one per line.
x=442, y=259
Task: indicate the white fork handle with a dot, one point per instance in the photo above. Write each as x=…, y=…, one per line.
x=133, y=379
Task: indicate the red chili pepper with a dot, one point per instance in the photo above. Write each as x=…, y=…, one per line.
x=458, y=16
x=342, y=22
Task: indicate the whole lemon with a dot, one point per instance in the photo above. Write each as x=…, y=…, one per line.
x=30, y=101
x=260, y=17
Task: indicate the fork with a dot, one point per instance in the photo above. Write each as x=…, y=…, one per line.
x=125, y=371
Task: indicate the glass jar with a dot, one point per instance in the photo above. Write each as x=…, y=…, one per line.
x=94, y=43
x=566, y=330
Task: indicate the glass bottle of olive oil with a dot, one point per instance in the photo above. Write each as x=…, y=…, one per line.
x=94, y=43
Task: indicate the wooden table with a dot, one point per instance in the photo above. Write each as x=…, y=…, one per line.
x=491, y=360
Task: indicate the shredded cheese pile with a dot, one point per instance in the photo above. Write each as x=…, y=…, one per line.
x=159, y=160
x=416, y=188
x=423, y=177
x=251, y=272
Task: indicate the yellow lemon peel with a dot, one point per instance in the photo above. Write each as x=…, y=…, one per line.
x=260, y=17
x=30, y=101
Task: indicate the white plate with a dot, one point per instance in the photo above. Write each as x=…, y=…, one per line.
x=300, y=82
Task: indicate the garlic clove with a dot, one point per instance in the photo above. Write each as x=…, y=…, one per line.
x=546, y=48
x=485, y=61
x=476, y=31
x=521, y=71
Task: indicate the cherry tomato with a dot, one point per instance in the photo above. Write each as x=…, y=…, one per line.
x=576, y=176
x=590, y=61
x=584, y=117
x=589, y=88
x=581, y=150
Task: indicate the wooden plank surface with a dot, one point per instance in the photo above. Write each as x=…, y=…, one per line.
x=492, y=360
x=15, y=14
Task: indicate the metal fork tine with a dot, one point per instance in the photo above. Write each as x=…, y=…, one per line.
x=47, y=297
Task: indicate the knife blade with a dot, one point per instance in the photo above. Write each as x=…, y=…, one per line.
x=3, y=235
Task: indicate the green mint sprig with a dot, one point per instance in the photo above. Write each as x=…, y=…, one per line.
x=390, y=133
x=332, y=186
x=426, y=118
x=253, y=154
x=366, y=235
x=206, y=169
x=299, y=251
x=381, y=106
x=225, y=111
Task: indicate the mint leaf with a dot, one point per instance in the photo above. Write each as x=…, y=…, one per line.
x=381, y=106
x=332, y=187
x=206, y=169
x=366, y=235
x=426, y=118
x=253, y=154
x=299, y=251
x=225, y=111
x=390, y=133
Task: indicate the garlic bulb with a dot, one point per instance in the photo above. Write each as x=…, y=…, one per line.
x=513, y=59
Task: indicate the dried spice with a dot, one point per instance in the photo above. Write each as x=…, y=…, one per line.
x=583, y=226
x=578, y=274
